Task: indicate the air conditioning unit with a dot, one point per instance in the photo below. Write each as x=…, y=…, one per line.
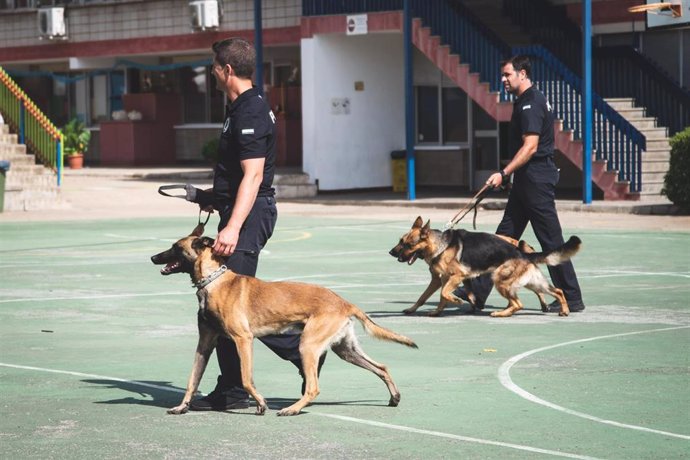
x=204, y=14
x=51, y=23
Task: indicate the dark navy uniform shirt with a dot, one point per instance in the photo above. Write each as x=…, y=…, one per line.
x=532, y=114
x=248, y=132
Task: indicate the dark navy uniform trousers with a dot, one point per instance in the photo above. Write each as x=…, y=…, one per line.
x=257, y=229
x=532, y=200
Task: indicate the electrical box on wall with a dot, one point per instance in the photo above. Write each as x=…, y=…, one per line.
x=204, y=14
x=51, y=23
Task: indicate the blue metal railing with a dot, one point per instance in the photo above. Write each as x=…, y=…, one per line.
x=614, y=139
x=622, y=71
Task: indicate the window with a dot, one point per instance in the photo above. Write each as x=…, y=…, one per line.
x=441, y=115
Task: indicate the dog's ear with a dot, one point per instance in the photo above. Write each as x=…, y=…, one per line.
x=418, y=222
x=201, y=243
x=198, y=230
x=426, y=228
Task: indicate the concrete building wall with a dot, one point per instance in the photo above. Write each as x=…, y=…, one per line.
x=142, y=19
x=349, y=147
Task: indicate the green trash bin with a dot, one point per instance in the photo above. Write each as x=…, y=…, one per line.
x=4, y=166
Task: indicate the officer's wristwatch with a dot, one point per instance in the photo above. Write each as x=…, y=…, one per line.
x=503, y=174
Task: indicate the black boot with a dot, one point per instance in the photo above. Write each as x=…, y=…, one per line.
x=222, y=398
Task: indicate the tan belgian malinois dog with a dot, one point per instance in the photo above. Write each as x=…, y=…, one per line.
x=242, y=307
x=455, y=256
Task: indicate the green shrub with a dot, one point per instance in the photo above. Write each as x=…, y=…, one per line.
x=210, y=150
x=677, y=180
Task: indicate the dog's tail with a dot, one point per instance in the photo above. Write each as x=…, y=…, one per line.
x=557, y=256
x=379, y=332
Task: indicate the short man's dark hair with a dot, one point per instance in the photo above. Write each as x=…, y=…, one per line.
x=520, y=62
x=237, y=52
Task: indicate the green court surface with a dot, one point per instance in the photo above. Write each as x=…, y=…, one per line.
x=96, y=344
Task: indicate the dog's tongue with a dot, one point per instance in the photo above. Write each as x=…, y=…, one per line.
x=170, y=268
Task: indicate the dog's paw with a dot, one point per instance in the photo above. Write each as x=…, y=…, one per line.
x=563, y=313
x=508, y=312
x=394, y=401
x=288, y=411
x=261, y=409
x=434, y=313
x=409, y=311
x=181, y=409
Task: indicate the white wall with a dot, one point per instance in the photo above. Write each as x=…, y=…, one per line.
x=345, y=151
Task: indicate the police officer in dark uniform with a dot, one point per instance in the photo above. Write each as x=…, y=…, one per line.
x=532, y=196
x=244, y=197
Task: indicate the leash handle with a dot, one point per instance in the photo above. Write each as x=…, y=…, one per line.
x=188, y=188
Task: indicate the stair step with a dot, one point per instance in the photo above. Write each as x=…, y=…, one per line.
x=18, y=159
x=7, y=138
x=643, y=123
x=291, y=179
x=295, y=191
x=32, y=200
x=631, y=112
x=9, y=149
x=659, y=133
x=657, y=155
x=4, y=128
x=620, y=102
x=30, y=183
x=654, y=144
x=17, y=168
x=651, y=188
x=653, y=176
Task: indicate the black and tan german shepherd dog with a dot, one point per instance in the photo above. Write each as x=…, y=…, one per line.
x=455, y=256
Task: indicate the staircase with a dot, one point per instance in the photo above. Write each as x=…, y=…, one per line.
x=28, y=186
x=656, y=158
x=430, y=45
x=293, y=184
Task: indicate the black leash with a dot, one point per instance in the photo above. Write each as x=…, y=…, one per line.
x=201, y=197
x=472, y=205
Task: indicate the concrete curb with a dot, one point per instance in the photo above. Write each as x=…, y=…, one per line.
x=378, y=197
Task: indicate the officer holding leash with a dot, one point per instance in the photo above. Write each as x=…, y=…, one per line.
x=532, y=196
x=244, y=196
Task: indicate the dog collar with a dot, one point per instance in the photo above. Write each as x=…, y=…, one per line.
x=203, y=282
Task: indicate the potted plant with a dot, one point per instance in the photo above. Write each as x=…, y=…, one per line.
x=76, y=138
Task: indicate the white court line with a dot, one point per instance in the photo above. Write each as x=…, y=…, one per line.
x=92, y=376
x=333, y=416
x=93, y=297
x=506, y=381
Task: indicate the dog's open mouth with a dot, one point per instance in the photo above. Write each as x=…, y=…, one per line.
x=410, y=261
x=172, y=267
